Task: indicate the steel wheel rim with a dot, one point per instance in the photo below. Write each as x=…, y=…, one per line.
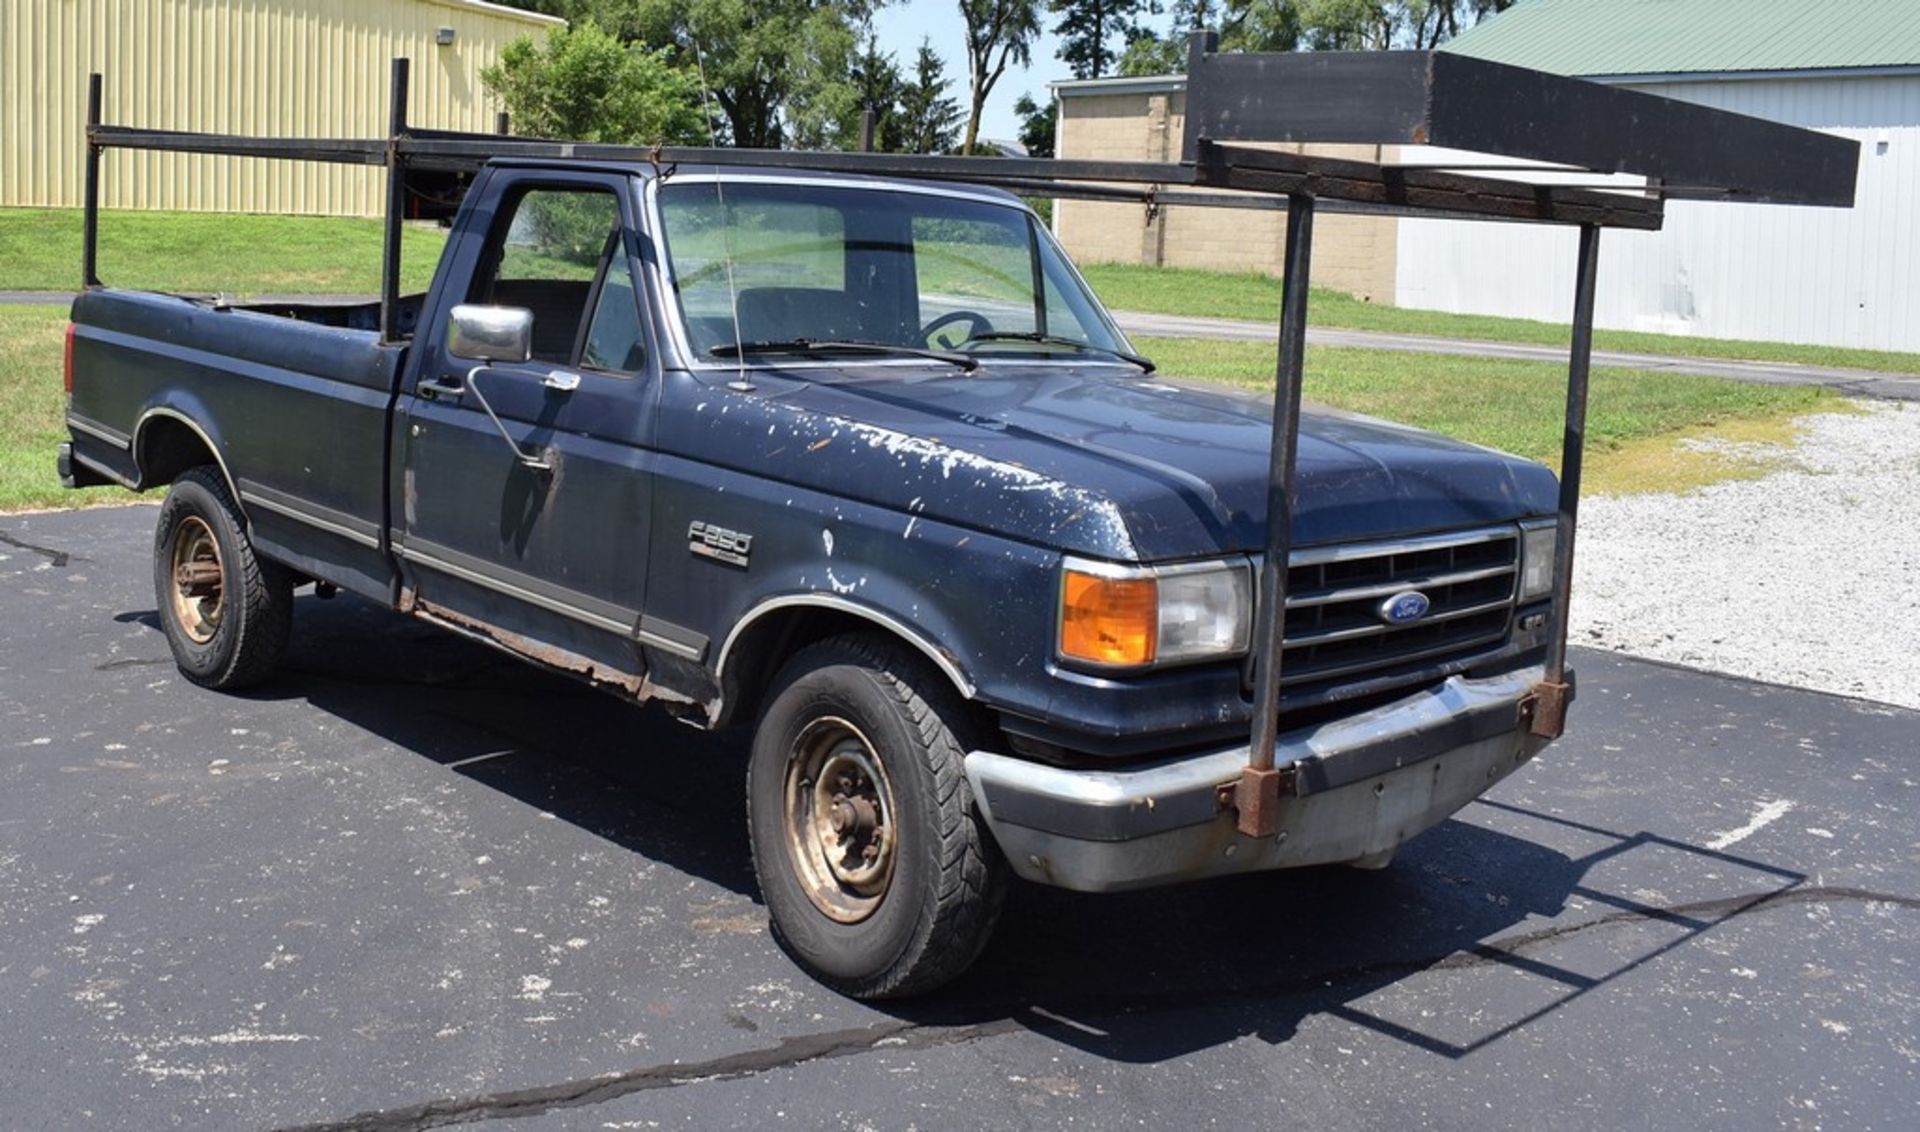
x=839, y=820
x=199, y=580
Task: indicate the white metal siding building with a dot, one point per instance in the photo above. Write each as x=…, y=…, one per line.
x=1842, y=277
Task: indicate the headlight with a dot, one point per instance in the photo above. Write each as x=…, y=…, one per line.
x=1141, y=616
x=1536, y=560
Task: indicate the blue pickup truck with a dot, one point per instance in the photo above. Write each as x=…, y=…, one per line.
x=863, y=466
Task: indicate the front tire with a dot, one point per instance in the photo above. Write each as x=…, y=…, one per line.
x=225, y=610
x=879, y=875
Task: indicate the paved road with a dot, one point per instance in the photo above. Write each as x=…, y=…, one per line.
x=1852, y=382
x=413, y=881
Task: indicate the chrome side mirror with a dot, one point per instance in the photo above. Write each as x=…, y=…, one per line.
x=490, y=334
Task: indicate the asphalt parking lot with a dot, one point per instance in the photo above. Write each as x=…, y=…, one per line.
x=413, y=882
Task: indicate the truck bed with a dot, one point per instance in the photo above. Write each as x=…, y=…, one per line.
x=162, y=382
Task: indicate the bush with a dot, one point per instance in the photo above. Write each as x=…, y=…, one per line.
x=582, y=84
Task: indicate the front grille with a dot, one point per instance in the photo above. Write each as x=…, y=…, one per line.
x=1334, y=628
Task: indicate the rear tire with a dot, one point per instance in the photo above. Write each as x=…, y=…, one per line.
x=225, y=610
x=881, y=879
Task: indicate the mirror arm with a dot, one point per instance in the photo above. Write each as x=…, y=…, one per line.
x=472, y=384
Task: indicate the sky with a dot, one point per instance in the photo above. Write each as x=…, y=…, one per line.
x=902, y=24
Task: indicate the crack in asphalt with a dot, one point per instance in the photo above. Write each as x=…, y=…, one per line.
x=798, y=1050
x=902, y=1034
x=56, y=557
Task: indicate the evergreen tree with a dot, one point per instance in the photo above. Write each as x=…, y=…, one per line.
x=1088, y=28
x=928, y=119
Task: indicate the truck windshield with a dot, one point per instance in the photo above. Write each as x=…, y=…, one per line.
x=815, y=263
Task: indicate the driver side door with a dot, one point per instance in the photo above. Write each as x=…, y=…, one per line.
x=532, y=529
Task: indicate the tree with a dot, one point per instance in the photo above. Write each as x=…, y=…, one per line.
x=769, y=64
x=1087, y=29
x=583, y=84
x=998, y=32
x=876, y=80
x=927, y=120
x=1313, y=25
x=1036, y=124
x=825, y=85
x=1377, y=25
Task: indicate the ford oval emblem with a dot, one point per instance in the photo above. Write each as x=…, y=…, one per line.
x=1404, y=608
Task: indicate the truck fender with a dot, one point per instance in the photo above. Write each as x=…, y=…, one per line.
x=943, y=660
x=167, y=412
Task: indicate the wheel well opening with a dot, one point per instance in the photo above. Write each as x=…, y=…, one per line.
x=763, y=647
x=168, y=446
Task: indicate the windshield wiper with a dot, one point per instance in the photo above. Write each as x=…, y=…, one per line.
x=1145, y=363
x=829, y=346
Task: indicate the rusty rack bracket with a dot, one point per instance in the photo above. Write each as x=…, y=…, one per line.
x=1544, y=710
x=1256, y=796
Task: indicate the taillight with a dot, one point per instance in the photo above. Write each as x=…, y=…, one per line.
x=67, y=361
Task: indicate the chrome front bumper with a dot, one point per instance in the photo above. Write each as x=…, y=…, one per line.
x=1362, y=786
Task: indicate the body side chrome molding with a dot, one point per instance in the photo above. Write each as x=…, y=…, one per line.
x=219, y=457
x=676, y=639
x=885, y=621
x=116, y=477
x=554, y=599
x=312, y=514
x=653, y=632
x=98, y=431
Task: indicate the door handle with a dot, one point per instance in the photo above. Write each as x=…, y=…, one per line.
x=434, y=388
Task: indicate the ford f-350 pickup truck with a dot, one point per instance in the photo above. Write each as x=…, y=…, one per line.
x=865, y=466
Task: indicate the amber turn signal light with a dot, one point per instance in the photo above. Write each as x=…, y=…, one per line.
x=1108, y=621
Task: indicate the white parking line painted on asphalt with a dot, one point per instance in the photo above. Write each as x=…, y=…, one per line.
x=1765, y=816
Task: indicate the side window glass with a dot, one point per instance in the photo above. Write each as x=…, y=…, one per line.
x=1067, y=313
x=614, y=342
x=547, y=251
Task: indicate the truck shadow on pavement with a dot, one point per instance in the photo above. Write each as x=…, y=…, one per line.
x=1132, y=977
x=1466, y=939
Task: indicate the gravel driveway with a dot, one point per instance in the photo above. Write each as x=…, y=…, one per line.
x=1808, y=576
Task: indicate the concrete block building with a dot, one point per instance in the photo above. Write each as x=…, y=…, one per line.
x=1143, y=119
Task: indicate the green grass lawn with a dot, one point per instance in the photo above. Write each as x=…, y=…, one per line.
x=209, y=252
x=1217, y=294
x=1636, y=417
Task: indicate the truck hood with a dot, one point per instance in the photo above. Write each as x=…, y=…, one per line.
x=1105, y=462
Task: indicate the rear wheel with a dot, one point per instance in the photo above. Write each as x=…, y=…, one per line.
x=879, y=875
x=226, y=611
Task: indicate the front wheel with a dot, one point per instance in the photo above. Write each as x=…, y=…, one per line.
x=226, y=611
x=879, y=875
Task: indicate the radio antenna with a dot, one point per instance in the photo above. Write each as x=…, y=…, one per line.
x=739, y=382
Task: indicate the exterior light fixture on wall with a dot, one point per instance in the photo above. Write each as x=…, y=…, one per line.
x=443, y=37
